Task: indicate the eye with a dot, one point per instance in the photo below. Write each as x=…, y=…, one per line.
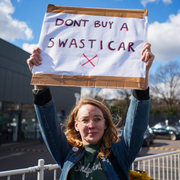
x=85, y=120
x=97, y=119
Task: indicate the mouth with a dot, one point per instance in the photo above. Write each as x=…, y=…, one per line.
x=92, y=133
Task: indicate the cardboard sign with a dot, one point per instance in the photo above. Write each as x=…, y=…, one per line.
x=91, y=47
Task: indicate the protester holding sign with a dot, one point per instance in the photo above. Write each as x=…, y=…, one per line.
x=89, y=149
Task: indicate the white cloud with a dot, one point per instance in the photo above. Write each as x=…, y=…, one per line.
x=168, y=89
x=165, y=38
x=104, y=93
x=167, y=1
x=110, y=94
x=29, y=47
x=144, y=2
x=10, y=28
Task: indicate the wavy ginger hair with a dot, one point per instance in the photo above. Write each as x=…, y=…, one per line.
x=110, y=133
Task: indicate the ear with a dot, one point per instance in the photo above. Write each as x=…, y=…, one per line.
x=76, y=126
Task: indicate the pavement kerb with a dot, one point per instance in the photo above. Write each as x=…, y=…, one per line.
x=5, y=147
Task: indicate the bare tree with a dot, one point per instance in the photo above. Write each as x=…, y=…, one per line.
x=165, y=84
x=125, y=95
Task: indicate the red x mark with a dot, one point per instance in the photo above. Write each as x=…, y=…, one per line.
x=89, y=60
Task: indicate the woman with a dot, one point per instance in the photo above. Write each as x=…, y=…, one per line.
x=89, y=149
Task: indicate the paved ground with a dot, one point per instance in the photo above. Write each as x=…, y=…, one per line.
x=23, y=155
x=160, y=146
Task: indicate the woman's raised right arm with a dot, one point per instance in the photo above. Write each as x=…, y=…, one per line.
x=51, y=131
x=35, y=59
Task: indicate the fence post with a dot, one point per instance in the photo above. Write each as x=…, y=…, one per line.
x=40, y=169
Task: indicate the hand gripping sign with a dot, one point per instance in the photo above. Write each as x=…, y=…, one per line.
x=92, y=47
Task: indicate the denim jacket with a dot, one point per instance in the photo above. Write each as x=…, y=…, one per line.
x=67, y=156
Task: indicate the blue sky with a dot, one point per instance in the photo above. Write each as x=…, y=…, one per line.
x=21, y=21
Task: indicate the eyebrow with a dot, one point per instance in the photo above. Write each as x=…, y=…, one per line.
x=97, y=115
x=93, y=116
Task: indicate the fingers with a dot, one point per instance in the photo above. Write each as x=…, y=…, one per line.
x=35, y=56
x=146, y=46
x=147, y=55
x=34, y=59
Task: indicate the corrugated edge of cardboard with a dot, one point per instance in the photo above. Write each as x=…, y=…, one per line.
x=126, y=13
x=88, y=81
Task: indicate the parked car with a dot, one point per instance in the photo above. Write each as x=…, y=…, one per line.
x=159, y=125
x=166, y=131
x=177, y=127
x=148, y=137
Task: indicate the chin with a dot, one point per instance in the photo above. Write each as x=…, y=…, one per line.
x=93, y=141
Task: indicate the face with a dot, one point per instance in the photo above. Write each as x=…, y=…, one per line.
x=90, y=133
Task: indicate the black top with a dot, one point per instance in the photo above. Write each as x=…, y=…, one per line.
x=43, y=96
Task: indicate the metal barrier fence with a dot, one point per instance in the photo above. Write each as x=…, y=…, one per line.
x=39, y=169
x=164, y=166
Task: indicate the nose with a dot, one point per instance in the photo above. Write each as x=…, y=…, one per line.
x=91, y=124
